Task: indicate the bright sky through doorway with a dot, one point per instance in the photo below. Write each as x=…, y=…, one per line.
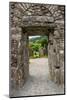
x=33, y=37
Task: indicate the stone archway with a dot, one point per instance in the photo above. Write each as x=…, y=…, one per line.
x=27, y=19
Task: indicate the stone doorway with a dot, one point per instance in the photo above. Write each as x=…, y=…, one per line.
x=34, y=30
x=28, y=19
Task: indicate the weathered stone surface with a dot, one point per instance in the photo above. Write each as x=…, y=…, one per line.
x=32, y=19
x=37, y=19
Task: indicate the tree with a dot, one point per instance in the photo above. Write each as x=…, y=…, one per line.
x=44, y=41
x=35, y=46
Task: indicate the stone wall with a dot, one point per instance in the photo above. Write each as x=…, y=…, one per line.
x=18, y=50
x=56, y=56
x=26, y=56
x=19, y=56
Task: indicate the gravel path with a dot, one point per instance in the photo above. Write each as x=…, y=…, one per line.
x=39, y=82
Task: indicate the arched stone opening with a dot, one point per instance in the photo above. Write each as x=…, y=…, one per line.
x=25, y=20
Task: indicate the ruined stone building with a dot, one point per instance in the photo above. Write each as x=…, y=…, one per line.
x=29, y=19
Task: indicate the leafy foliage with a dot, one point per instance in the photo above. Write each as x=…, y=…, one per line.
x=38, y=42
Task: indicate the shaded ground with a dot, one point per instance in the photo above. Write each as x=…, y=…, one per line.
x=39, y=82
